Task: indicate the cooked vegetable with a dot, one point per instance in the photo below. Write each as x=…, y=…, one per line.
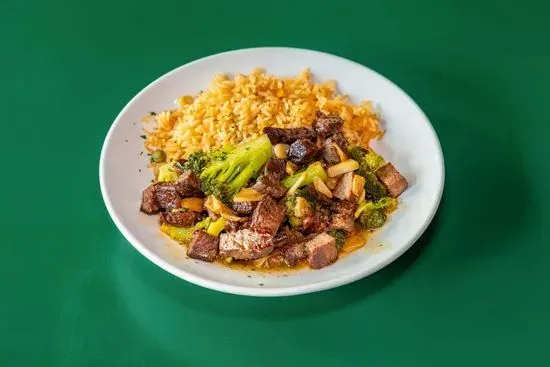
x=280, y=151
x=247, y=194
x=358, y=185
x=184, y=234
x=297, y=184
x=301, y=208
x=343, y=167
x=387, y=203
x=339, y=237
x=369, y=160
x=290, y=168
x=225, y=175
x=372, y=219
x=374, y=189
x=290, y=203
x=321, y=187
x=158, y=156
x=331, y=182
x=193, y=204
x=313, y=170
x=167, y=173
x=215, y=228
x=196, y=161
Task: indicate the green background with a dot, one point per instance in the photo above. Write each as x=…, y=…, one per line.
x=473, y=291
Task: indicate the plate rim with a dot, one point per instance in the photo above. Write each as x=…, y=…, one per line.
x=263, y=292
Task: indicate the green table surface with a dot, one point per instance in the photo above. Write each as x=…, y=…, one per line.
x=474, y=291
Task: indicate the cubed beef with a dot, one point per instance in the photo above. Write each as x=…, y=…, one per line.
x=343, y=215
x=244, y=207
x=245, y=244
x=288, y=136
x=213, y=215
x=293, y=254
x=317, y=222
x=330, y=152
x=302, y=151
x=267, y=216
x=276, y=168
x=166, y=196
x=275, y=260
x=148, y=202
x=232, y=226
x=321, y=251
x=179, y=218
x=203, y=246
x=188, y=184
x=270, y=185
x=322, y=199
x=392, y=179
x=286, y=236
x=343, y=189
x=341, y=140
x=326, y=125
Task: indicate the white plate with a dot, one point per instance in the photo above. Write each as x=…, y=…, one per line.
x=410, y=143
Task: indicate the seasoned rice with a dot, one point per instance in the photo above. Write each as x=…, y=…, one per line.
x=237, y=109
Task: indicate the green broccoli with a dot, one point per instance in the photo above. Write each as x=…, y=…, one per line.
x=372, y=215
x=372, y=219
x=374, y=189
x=184, y=234
x=312, y=171
x=339, y=237
x=196, y=161
x=368, y=159
x=229, y=171
x=290, y=205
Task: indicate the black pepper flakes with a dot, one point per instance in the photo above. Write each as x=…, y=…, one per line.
x=143, y=136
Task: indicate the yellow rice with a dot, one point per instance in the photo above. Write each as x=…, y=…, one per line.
x=237, y=109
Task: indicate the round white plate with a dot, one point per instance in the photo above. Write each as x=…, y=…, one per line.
x=410, y=143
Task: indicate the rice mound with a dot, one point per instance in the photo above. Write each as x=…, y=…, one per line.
x=235, y=110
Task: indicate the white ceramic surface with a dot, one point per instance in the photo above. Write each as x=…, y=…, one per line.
x=410, y=143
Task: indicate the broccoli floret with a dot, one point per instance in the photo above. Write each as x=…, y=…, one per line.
x=312, y=171
x=374, y=189
x=372, y=215
x=184, y=234
x=339, y=237
x=196, y=161
x=225, y=174
x=290, y=205
x=368, y=159
x=372, y=219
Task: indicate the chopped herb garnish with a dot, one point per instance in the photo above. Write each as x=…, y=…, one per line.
x=152, y=113
x=143, y=136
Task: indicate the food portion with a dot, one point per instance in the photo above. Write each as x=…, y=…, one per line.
x=300, y=189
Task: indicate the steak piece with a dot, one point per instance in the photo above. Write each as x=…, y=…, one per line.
x=148, y=202
x=233, y=226
x=179, y=218
x=166, y=196
x=302, y=151
x=392, y=179
x=267, y=216
x=293, y=254
x=318, y=221
x=270, y=185
x=320, y=198
x=340, y=139
x=244, y=207
x=343, y=188
x=203, y=246
x=276, y=168
x=322, y=251
x=330, y=152
x=326, y=125
x=286, y=236
x=245, y=244
x=278, y=135
x=188, y=184
x=343, y=215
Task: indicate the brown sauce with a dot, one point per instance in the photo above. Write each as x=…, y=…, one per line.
x=354, y=241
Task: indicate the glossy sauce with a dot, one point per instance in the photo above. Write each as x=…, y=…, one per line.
x=354, y=241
